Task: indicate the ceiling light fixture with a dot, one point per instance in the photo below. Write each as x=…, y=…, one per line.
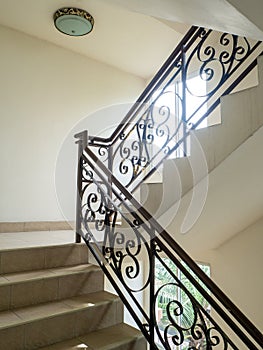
x=73, y=21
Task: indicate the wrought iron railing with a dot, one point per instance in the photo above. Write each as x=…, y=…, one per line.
x=124, y=238
x=128, y=253
x=204, y=66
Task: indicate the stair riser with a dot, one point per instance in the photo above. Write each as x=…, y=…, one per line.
x=106, y=340
x=50, y=297
x=50, y=330
x=49, y=289
x=139, y=344
x=42, y=258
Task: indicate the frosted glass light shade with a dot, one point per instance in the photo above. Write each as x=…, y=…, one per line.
x=73, y=21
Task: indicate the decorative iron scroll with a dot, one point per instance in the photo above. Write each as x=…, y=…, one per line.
x=128, y=253
x=160, y=124
x=123, y=237
x=122, y=247
x=189, y=325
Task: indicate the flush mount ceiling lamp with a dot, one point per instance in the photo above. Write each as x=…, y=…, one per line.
x=73, y=21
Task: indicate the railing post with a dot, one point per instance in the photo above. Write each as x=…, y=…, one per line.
x=82, y=142
x=152, y=292
x=184, y=101
x=110, y=167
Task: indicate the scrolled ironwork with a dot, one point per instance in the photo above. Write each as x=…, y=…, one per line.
x=187, y=320
x=125, y=250
x=216, y=58
x=122, y=248
x=124, y=238
x=160, y=123
x=147, y=138
x=102, y=152
x=93, y=201
x=188, y=323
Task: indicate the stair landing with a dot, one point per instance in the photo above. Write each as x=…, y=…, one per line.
x=12, y=240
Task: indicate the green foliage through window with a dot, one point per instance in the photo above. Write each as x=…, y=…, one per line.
x=170, y=291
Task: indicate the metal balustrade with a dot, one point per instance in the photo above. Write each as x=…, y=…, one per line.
x=159, y=123
x=124, y=238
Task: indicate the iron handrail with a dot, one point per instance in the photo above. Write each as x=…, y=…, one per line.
x=175, y=247
x=123, y=194
x=130, y=148
x=186, y=41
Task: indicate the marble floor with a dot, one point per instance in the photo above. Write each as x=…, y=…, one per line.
x=13, y=240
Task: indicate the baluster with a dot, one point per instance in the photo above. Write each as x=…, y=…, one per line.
x=184, y=118
x=82, y=142
x=152, y=293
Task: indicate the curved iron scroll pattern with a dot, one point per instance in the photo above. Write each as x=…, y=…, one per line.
x=94, y=207
x=93, y=199
x=159, y=126
x=125, y=255
x=157, y=131
x=149, y=136
x=102, y=152
x=189, y=325
x=122, y=247
x=216, y=57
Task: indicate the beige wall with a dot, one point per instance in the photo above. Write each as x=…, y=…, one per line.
x=44, y=91
x=237, y=268
x=252, y=9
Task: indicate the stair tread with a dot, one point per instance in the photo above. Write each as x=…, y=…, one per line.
x=42, y=257
x=28, y=314
x=39, y=247
x=26, y=276
x=104, y=339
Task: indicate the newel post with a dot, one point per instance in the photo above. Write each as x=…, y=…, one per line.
x=82, y=142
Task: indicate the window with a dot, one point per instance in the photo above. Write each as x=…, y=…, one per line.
x=195, y=97
x=167, y=290
x=167, y=115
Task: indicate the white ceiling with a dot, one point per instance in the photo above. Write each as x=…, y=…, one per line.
x=241, y=17
x=133, y=35
x=130, y=41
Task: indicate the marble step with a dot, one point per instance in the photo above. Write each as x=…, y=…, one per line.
x=33, y=327
x=32, y=287
x=37, y=258
x=119, y=337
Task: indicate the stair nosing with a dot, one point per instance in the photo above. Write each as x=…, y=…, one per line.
x=110, y=298
x=128, y=338
x=90, y=268
x=38, y=247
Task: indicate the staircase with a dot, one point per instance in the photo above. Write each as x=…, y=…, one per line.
x=210, y=147
x=123, y=233
x=51, y=298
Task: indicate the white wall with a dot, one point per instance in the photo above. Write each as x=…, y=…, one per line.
x=252, y=9
x=237, y=268
x=44, y=91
